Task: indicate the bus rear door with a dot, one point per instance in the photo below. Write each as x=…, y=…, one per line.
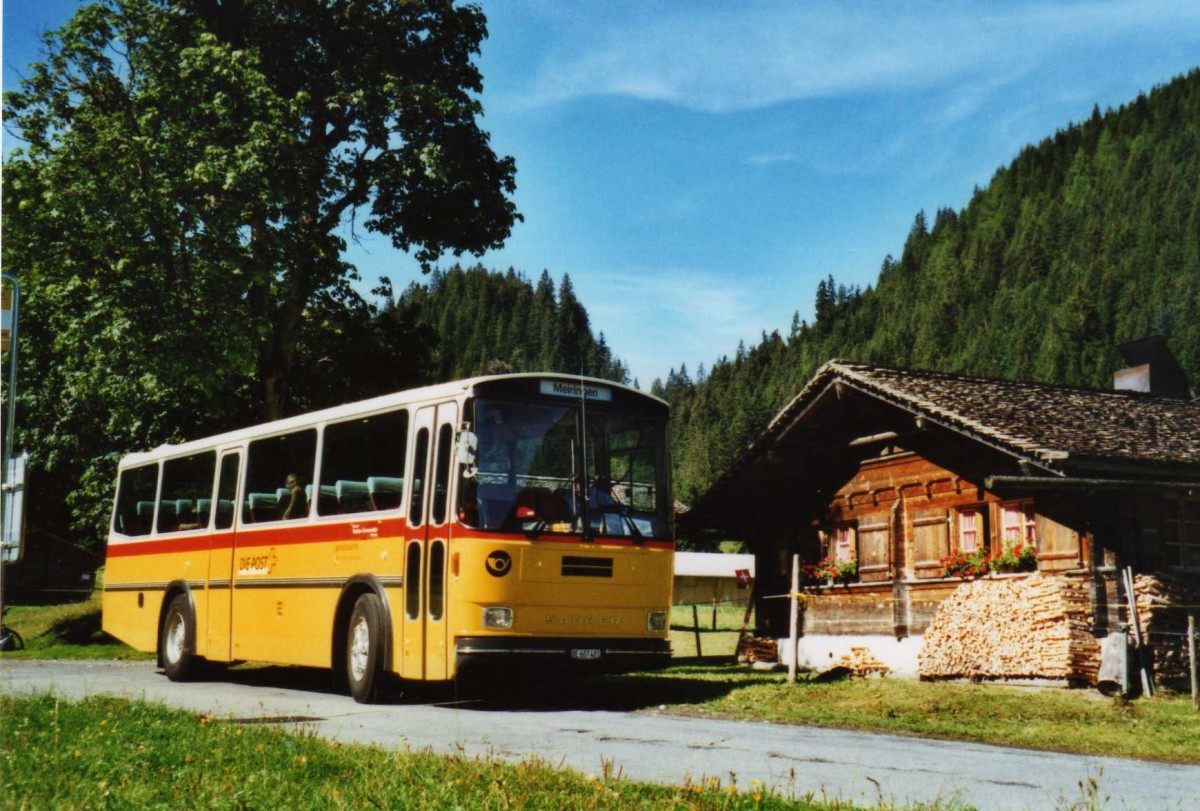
x=220, y=561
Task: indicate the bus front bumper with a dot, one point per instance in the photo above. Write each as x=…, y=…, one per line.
x=611, y=655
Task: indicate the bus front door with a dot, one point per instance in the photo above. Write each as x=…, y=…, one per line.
x=425, y=643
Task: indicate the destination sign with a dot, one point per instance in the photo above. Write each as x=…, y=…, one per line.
x=577, y=391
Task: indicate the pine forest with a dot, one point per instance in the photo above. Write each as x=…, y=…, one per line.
x=1085, y=241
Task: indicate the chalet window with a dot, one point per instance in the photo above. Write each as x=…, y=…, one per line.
x=972, y=536
x=843, y=543
x=1018, y=523
x=931, y=542
x=873, y=560
x=1181, y=532
x=1150, y=512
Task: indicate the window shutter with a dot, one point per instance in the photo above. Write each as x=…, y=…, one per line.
x=873, y=558
x=931, y=542
x=1058, y=545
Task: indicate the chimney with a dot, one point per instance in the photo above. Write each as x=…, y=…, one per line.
x=1152, y=369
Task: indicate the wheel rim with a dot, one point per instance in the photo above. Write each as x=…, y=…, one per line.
x=173, y=649
x=360, y=648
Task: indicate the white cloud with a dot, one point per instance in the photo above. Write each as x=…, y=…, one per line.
x=718, y=58
x=773, y=159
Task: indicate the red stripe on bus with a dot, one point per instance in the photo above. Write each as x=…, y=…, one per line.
x=367, y=530
x=340, y=531
x=192, y=543
x=280, y=536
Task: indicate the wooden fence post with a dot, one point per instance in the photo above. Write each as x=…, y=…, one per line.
x=1192, y=661
x=696, y=629
x=794, y=623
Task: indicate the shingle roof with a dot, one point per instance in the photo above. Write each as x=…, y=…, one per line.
x=1047, y=423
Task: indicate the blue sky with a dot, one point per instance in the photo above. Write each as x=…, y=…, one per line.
x=698, y=166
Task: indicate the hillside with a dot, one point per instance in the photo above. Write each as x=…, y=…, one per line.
x=487, y=320
x=1087, y=240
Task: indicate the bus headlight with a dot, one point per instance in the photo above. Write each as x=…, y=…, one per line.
x=656, y=621
x=497, y=617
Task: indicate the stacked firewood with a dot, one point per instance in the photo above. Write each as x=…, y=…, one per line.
x=861, y=662
x=1162, y=616
x=751, y=649
x=1034, y=627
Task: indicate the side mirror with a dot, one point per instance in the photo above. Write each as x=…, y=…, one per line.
x=468, y=446
x=526, y=513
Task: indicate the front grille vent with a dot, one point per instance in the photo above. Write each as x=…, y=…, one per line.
x=574, y=566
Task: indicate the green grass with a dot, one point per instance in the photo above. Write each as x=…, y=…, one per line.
x=113, y=753
x=718, y=641
x=1161, y=728
x=68, y=631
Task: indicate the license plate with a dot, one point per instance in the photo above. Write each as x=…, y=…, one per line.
x=585, y=654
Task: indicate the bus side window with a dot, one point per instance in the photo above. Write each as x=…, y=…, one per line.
x=184, y=482
x=362, y=464
x=416, y=507
x=227, y=490
x=441, y=480
x=269, y=464
x=135, y=500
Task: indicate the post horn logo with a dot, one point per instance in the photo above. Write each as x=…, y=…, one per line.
x=498, y=563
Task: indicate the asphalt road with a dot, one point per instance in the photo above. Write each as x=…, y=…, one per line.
x=642, y=744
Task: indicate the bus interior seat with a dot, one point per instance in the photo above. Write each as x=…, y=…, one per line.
x=185, y=510
x=262, y=507
x=385, y=492
x=326, y=498
x=225, y=512
x=144, y=511
x=168, y=521
x=203, y=511
x=352, y=497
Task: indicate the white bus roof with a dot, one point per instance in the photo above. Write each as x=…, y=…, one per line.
x=438, y=391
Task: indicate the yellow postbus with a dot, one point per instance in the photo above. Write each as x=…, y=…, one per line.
x=492, y=522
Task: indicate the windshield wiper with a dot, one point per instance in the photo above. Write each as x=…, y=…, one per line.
x=615, y=505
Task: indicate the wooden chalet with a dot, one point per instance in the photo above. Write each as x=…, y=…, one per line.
x=899, y=477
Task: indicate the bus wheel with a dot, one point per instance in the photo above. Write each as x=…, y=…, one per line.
x=177, y=640
x=363, y=642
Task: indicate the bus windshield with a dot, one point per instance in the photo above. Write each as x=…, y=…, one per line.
x=563, y=469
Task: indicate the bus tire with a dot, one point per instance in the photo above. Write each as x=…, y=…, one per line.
x=364, y=644
x=177, y=640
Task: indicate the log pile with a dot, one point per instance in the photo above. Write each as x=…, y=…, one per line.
x=1035, y=627
x=861, y=662
x=1162, y=608
x=752, y=649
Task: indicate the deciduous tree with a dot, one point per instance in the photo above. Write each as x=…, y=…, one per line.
x=177, y=210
